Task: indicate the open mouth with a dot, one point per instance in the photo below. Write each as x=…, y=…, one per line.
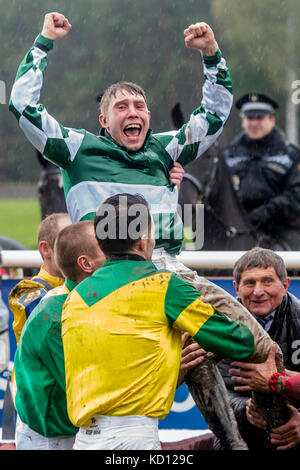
x=132, y=131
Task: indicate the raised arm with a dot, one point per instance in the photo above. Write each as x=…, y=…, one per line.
x=207, y=121
x=57, y=143
x=56, y=26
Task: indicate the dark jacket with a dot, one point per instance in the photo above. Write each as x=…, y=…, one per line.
x=267, y=179
x=285, y=330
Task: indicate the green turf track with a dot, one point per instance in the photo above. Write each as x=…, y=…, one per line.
x=19, y=220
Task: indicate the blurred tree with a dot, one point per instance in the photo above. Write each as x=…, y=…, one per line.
x=260, y=45
x=141, y=41
x=110, y=40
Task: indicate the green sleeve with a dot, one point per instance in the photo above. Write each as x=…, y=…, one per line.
x=187, y=311
x=53, y=353
x=207, y=121
x=57, y=143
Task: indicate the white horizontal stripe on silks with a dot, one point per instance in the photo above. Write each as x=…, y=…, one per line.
x=87, y=196
x=37, y=137
x=217, y=100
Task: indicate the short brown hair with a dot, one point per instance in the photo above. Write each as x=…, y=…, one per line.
x=73, y=241
x=112, y=91
x=50, y=227
x=259, y=258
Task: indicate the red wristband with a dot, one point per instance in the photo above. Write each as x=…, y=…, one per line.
x=273, y=381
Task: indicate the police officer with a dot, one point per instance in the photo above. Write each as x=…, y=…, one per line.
x=265, y=174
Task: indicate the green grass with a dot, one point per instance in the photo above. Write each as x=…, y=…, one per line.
x=19, y=220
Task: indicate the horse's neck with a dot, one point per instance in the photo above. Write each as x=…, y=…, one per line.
x=218, y=192
x=224, y=197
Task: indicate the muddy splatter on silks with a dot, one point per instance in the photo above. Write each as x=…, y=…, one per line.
x=206, y=384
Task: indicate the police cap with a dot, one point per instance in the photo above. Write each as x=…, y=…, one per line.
x=256, y=104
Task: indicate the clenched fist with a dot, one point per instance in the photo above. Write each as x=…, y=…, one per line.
x=56, y=26
x=200, y=36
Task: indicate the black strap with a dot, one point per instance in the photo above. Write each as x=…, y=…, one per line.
x=195, y=182
x=41, y=46
x=125, y=256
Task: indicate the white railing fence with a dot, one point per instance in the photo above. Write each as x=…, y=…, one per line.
x=192, y=259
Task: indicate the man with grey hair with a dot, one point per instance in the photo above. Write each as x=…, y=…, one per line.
x=261, y=283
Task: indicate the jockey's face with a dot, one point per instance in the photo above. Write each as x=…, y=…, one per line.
x=261, y=291
x=127, y=119
x=259, y=126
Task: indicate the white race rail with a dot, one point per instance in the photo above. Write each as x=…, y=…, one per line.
x=20, y=259
x=192, y=259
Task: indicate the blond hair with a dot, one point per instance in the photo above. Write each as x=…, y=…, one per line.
x=50, y=227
